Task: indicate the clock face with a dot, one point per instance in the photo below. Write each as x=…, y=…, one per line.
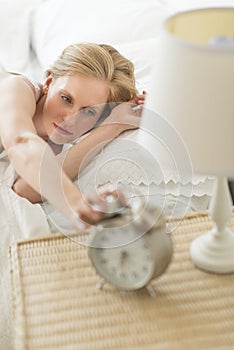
x=122, y=258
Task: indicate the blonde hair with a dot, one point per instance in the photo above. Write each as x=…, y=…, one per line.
x=101, y=61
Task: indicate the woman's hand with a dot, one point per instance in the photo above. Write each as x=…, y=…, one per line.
x=96, y=206
x=124, y=117
x=140, y=99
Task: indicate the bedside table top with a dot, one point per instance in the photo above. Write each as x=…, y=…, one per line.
x=56, y=303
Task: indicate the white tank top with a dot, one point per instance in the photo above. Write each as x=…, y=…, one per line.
x=36, y=87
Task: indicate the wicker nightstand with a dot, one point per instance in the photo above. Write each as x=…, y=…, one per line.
x=57, y=305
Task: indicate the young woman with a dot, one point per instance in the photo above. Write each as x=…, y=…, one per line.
x=36, y=119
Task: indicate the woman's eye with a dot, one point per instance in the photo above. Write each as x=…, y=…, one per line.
x=89, y=111
x=66, y=99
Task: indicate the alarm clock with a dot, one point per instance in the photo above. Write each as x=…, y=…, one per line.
x=130, y=246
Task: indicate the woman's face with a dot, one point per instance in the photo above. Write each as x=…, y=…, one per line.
x=73, y=104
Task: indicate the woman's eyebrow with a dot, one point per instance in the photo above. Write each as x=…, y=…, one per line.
x=65, y=92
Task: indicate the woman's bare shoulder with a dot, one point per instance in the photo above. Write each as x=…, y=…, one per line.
x=4, y=75
x=15, y=80
x=16, y=93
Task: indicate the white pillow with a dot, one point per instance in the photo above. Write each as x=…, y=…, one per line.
x=140, y=53
x=131, y=26
x=126, y=159
x=15, y=17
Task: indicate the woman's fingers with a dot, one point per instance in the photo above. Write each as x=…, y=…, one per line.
x=140, y=99
x=105, y=202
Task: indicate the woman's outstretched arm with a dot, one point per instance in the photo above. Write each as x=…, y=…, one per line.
x=32, y=158
x=79, y=155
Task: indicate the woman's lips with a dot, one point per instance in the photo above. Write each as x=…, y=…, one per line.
x=61, y=130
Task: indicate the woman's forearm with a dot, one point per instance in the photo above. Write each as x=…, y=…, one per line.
x=80, y=154
x=35, y=162
x=72, y=160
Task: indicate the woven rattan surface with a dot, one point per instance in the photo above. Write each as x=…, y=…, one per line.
x=57, y=305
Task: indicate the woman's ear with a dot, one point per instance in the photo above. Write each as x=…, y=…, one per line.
x=47, y=83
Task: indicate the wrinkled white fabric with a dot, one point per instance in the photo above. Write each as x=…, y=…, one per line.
x=126, y=160
x=19, y=219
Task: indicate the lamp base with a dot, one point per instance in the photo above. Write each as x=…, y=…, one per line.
x=214, y=253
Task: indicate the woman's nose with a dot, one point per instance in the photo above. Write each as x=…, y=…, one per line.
x=69, y=117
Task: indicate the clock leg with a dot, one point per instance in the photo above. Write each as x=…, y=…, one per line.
x=150, y=290
x=101, y=283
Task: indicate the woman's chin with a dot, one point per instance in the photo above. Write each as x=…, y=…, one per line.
x=61, y=139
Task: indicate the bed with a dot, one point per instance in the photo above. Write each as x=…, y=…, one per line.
x=33, y=32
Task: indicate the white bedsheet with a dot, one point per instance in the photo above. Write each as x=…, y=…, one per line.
x=19, y=219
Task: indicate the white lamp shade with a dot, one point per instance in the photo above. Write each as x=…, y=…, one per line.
x=193, y=86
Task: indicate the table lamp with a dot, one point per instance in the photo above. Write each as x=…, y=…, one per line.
x=193, y=89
